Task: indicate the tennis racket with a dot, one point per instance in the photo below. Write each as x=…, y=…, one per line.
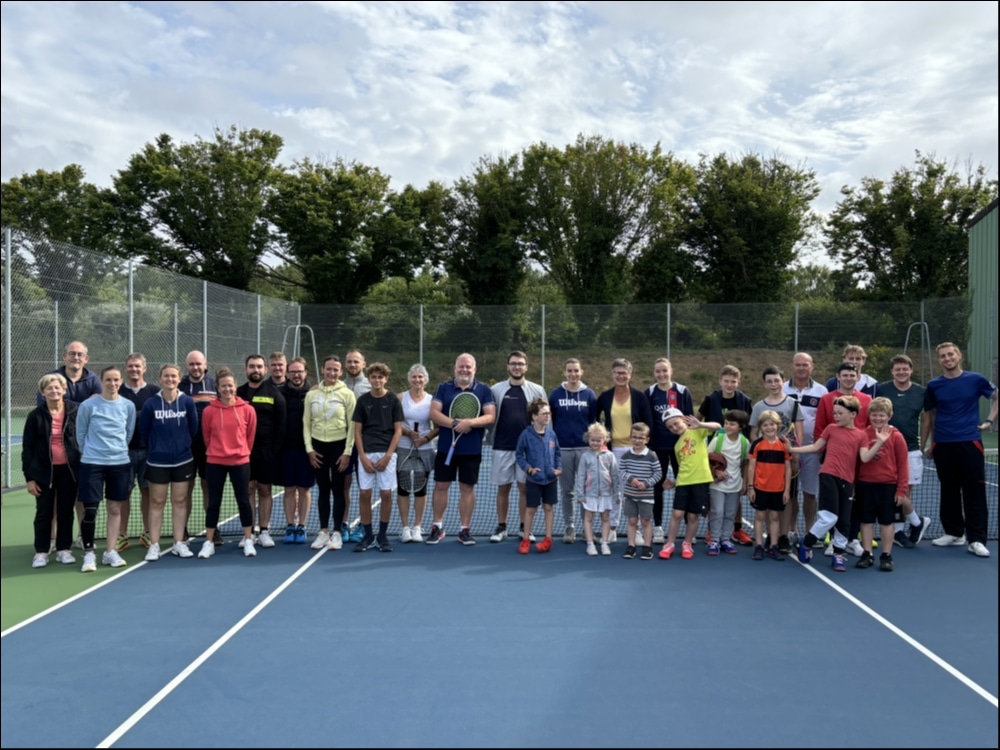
x=464, y=406
x=411, y=473
x=789, y=437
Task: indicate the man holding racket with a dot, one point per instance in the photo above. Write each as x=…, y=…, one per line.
x=463, y=408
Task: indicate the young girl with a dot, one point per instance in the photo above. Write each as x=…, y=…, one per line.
x=597, y=486
x=537, y=454
x=769, y=477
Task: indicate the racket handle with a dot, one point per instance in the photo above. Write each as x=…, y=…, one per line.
x=451, y=452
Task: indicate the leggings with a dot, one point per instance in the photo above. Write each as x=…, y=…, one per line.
x=330, y=479
x=59, y=499
x=215, y=475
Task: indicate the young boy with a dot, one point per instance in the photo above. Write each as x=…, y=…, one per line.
x=378, y=425
x=769, y=477
x=883, y=481
x=843, y=443
x=725, y=493
x=693, y=478
x=537, y=455
x=641, y=471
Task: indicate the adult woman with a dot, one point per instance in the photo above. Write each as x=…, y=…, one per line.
x=229, y=426
x=104, y=427
x=50, y=460
x=168, y=423
x=418, y=434
x=329, y=436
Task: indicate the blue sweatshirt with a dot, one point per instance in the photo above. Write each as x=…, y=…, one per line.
x=104, y=429
x=539, y=451
x=167, y=429
x=572, y=414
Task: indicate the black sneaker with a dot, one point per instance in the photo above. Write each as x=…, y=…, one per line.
x=885, y=562
x=758, y=553
x=784, y=544
x=629, y=552
x=465, y=537
x=647, y=553
x=437, y=534
x=865, y=561
x=917, y=532
x=903, y=540
x=383, y=544
x=364, y=544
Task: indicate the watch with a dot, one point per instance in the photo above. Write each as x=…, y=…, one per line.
x=454, y=423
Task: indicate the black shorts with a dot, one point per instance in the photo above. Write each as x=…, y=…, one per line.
x=536, y=494
x=114, y=481
x=464, y=467
x=170, y=474
x=876, y=502
x=691, y=498
x=764, y=500
x=296, y=471
x=265, y=468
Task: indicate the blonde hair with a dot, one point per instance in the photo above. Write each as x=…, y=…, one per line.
x=769, y=415
x=596, y=427
x=880, y=405
x=43, y=383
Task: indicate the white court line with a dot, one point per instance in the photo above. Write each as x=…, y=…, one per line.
x=969, y=683
x=189, y=670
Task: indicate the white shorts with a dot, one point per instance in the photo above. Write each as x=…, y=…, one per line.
x=383, y=480
x=916, y=467
x=505, y=469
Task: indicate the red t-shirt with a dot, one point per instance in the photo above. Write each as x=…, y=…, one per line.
x=843, y=446
x=891, y=465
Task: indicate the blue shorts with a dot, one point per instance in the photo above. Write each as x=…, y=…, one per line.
x=137, y=458
x=113, y=482
x=536, y=494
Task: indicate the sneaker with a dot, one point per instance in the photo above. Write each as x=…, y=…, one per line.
x=917, y=532
x=524, y=547
x=776, y=554
x=290, y=534
x=629, y=552
x=569, y=537
x=122, y=543
x=708, y=537
x=865, y=561
x=828, y=552
x=742, y=538
x=838, y=563
x=153, y=553
x=658, y=537
x=902, y=539
x=65, y=557
x=784, y=544
x=855, y=548
x=249, y=550
x=405, y=536
x=885, y=562
x=322, y=540
x=949, y=540
x=79, y=544
x=499, y=535
x=417, y=535
x=145, y=539
x=207, y=550
x=591, y=549
x=40, y=560
x=612, y=537
x=335, y=541
x=805, y=553
x=181, y=549
x=89, y=562
x=667, y=551
x=364, y=545
x=218, y=541
x=531, y=537
x=265, y=538
x=728, y=547
x=113, y=559
x=605, y=549
x=687, y=551
x=793, y=539
x=979, y=549
x=713, y=549
x=758, y=553
x=545, y=545
x=647, y=553
x=357, y=534
x=465, y=537
x=300, y=534
x=437, y=534
x=52, y=546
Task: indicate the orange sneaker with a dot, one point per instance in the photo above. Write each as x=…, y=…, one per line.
x=525, y=546
x=545, y=545
x=687, y=552
x=667, y=551
x=708, y=537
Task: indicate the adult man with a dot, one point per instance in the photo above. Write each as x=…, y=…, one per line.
x=866, y=384
x=354, y=378
x=468, y=452
x=200, y=386
x=512, y=397
x=574, y=409
x=81, y=383
x=265, y=458
x=907, y=405
x=951, y=419
x=298, y=474
x=138, y=391
x=277, y=364
x=808, y=393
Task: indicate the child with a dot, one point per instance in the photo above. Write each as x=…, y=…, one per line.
x=725, y=493
x=640, y=470
x=693, y=478
x=598, y=486
x=537, y=454
x=843, y=443
x=769, y=477
x=883, y=482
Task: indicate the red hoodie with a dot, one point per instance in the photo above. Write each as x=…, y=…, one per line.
x=229, y=432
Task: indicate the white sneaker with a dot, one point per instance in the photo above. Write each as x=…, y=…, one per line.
x=41, y=559
x=613, y=537
x=976, y=548
x=153, y=553
x=336, y=541
x=181, y=549
x=406, y=536
x=605, y=549
x=591, y=549
x=78, y=543
x=949, y=540
x=658, y=537
x=417, y=535
x=65, y=557
x=248, y=549
x=207, y=549
x=855, y=548
x=52, y=546
x=569, y=537
x=89, y=562
x=113, y=559
x=531, y=537
x=265, y=538
x=322, y=540
x=829, y=550
x=499, y=535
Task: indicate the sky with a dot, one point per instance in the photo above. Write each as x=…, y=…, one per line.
x=422, y=90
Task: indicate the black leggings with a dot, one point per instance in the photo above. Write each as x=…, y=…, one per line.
x=58, y=500
x=330, y=479
x=215, y=475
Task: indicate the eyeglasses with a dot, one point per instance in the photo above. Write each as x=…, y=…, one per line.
x=76, y=354
x=517, y=364
x=296, y=372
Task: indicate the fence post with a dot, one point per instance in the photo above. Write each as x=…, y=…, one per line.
x=795, y=344
x=258, y=324
x=55, y=332
x=668, y=330
x=7, y=351
x=204, y=319
x=420, y=358
x=175, y=333
x=131, y=307
x=543, y=346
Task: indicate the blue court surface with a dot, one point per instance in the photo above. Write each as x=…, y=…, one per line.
x=456, y=646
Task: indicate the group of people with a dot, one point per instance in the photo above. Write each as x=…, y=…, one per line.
x=854, y=447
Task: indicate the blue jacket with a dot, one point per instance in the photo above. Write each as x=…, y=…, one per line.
x=539, y=451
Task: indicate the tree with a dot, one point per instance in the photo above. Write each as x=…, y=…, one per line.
x=197, y=208
x=908, y=239
x=810, y=281
x=748, y=217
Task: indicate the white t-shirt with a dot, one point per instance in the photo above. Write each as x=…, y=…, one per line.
x=419, y=413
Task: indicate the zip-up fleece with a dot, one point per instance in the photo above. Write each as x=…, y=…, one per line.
x=36, y=450
x=328, y=416
x=229, y=432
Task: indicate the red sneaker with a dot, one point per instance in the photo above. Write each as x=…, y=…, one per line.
x=686, y=551
x=525, y=546
x=741, y=537
x=667, y=551
x=708, y=537
x=545, y=545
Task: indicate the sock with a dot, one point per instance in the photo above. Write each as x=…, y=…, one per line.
x=502, y=526
x=914, y=519
x=368, y=531
x=383, y=529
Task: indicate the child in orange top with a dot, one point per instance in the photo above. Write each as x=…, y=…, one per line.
x=883, y=482
x=769, y=478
